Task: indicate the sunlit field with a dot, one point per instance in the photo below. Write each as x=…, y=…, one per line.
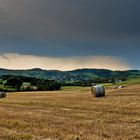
x=71, y=114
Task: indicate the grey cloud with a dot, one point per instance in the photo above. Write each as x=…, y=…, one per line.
x=91, y=20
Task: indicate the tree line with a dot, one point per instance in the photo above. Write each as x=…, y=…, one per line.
x=36, y=84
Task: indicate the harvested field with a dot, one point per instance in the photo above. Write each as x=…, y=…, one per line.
x=71, y=114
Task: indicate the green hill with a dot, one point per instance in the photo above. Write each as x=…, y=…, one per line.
x=75, y=75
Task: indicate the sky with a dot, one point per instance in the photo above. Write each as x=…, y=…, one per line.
x=70, y=34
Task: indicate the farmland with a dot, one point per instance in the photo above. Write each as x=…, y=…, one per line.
x=71, y=114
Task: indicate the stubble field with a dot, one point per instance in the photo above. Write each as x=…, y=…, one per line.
x=71, y=114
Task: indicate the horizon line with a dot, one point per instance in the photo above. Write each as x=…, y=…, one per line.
x=66, y=70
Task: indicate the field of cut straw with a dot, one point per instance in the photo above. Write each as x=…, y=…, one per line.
x=71, y=114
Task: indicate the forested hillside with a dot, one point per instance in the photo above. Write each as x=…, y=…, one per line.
x=75, y=75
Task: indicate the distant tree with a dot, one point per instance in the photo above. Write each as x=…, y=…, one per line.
x=113, y=80
x=14, y=82
x=1, y=82
x=46, y=85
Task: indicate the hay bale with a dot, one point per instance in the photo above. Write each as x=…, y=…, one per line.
x=98, y=91
x=2, y=95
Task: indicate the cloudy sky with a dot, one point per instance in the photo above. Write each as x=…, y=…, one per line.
x=70, y=34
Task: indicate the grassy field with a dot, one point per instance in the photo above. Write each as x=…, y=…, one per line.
x=71, y=114
x=131, y=81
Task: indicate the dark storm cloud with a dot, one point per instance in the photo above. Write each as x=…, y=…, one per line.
x=62, y=20
x=69, y=28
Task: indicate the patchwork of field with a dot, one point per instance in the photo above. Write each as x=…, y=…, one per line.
x=71, y=114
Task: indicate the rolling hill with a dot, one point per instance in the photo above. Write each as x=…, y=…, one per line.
x=75, y=75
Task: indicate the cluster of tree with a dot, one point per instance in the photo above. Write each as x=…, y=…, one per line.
x=38, y=84
x=16, y=82
x=23, y=78
x=93, y=81
x=46, y=85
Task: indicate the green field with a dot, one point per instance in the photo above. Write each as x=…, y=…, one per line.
x=130, y=81
x=71, y=114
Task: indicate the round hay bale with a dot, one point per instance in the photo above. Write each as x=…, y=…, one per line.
x=2, y=95
x=98, y=91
